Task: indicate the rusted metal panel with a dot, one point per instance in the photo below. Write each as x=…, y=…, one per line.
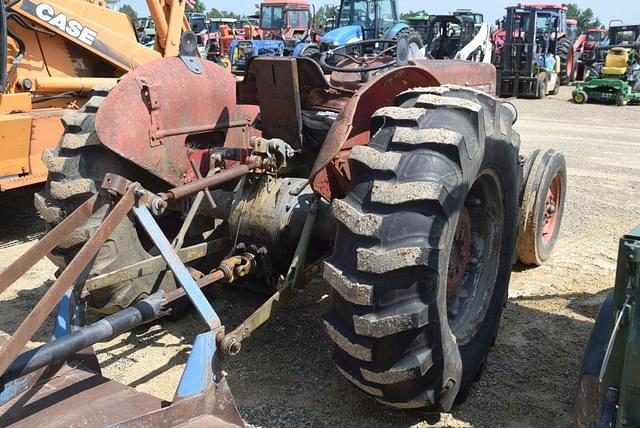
x=149, y=115
x=315, y=91
x=279, y=97
x=463, y=73
x=73, y=397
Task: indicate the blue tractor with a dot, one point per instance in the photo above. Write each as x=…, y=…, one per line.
x=360, y=20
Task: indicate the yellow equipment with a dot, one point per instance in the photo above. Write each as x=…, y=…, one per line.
x=616, y=62
x=52, y=53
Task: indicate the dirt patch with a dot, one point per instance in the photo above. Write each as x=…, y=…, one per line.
x=284, y=374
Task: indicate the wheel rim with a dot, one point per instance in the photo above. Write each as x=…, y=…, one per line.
x=551, y=208
x=474, y=258
x=579, y=98
x=460, y=253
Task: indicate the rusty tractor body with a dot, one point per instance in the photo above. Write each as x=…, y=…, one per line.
x=52, y=53
x=401, y=179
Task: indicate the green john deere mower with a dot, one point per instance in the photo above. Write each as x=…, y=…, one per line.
x=617, y=78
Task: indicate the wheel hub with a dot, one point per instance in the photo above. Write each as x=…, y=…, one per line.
x=551, y=207
x=460, y=253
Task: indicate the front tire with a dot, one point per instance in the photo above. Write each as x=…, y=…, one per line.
x=428, y=225
x=542, y=209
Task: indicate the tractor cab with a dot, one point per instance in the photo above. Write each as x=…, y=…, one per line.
x=363, y=20
x=285, y=20
x=145, y=29
x=468, y=14
x=447, y=34
x=625, y=35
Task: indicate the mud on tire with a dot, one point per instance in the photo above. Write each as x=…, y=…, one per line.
x=439, y=155
x=76, y=169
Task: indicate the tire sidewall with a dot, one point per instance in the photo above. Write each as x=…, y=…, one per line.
x=555, y=164
x=500, y=159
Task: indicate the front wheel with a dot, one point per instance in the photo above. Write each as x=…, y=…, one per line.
x=543, y=200
x=580, y=97
x=423, y=252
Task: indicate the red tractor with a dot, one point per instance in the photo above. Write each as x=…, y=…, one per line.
x=403, y=179
x=586, y=45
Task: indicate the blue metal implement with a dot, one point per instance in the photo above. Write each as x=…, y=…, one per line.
x=207, y=313
x=198, y=374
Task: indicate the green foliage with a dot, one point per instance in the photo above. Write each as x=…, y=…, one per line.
x=129, y=11
x=585, y=17
x=199, y=7
x=411, y=13
x=323, y=13
x=215, y=13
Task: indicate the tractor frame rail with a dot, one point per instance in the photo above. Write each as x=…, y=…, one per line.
x=58, y=380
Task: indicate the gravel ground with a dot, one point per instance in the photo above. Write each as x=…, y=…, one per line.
x=284, y=375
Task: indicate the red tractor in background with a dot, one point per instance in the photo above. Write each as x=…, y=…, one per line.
x=222, y=32
x=562, y=37
x=586, y=45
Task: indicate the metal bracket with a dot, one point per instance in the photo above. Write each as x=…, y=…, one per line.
x=150, y=97
x=187, y=52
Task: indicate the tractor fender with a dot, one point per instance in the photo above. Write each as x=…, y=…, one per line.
x=590, y=391
x=393, y=31
x=301, y=46
x=157, y=114
x=330, y=174
x=342, y=36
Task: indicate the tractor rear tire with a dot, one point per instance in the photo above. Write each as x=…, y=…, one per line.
x=568, y=61
x=76, y=169
x=433, y=197
x=543, y=198
x=412, y=36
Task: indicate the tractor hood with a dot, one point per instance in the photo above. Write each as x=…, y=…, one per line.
x=342, y=35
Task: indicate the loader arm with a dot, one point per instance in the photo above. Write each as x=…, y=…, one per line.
x=101, y=31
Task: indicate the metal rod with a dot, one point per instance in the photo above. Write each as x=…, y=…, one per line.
x=206, y=191
x=210, y=278
x=80, y=263
x=213, y=181
x=178, y=241
x=199, y=129
x=153, y=265
x=48, y=243
x=107, y=328
x=207, y=313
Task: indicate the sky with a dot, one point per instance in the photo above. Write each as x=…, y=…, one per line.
x=606, y=10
